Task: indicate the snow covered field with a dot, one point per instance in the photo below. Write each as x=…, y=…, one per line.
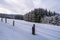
x=22, y=31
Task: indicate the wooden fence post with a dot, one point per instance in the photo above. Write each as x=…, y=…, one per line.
x=5, y=20
x=33, y=29
x=13, y=23
x=1, y=19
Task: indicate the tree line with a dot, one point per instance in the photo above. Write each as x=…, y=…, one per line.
x=11, y=16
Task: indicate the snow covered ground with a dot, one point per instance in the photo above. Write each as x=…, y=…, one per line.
x=22, y=31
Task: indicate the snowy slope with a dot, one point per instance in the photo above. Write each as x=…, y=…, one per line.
x=22, y=31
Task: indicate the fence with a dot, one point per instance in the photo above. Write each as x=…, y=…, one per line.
x=13, y=24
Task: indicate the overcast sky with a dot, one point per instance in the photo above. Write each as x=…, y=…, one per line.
x=24, y=6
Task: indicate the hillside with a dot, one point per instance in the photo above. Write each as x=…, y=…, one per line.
x=22, y=31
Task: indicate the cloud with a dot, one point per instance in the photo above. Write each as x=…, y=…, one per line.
x=19, y=6
x=3, y=10
x=24, y=6
x=52, y=5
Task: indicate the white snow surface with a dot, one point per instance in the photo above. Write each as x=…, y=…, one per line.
x=23, y=31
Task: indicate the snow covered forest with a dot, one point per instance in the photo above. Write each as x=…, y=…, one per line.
x=43, y=16
x=38, y=15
